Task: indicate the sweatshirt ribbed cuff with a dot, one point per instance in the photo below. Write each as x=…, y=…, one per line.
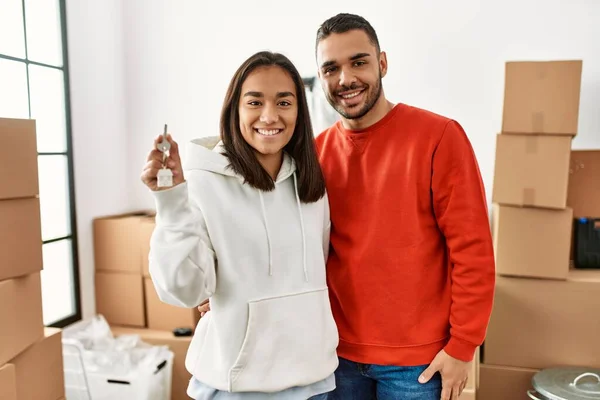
x=172, y=205
x=460, y=349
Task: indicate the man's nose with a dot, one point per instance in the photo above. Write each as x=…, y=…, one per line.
x=347, y=78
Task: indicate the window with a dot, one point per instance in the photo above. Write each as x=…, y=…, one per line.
x=34, y=82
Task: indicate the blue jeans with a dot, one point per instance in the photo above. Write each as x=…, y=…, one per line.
x=322, y=396
x=357, y=381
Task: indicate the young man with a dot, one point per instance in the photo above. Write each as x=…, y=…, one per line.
x=411, y=265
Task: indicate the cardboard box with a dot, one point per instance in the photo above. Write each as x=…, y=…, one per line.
x=162, y=316
x=146, y=229
x=539, y=323
x=467, y=394
x=39, y=369
x=117, y=243
x=178, y=345
x=20, y=237
x=473, y=380
x=18, y=159
x=542, y=97
x=8, y=382
x=532, y=242
x=21, y=321
x=584, y=187
x=120, y=298
x=504, y=383
x=532, y=170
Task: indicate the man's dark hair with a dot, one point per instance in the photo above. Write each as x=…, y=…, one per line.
x=301, y=147
x=343, y=23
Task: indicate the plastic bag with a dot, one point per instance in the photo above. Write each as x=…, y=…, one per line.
x=102, y=352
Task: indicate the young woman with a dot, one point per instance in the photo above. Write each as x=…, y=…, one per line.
x=248, y=227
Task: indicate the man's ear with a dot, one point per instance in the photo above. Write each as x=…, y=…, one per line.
x=383, y=64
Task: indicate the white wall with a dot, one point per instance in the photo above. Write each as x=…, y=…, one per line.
x=445, y=56
x=178, y=56
x=98, y=114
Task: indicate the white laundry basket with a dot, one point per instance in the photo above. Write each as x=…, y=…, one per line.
x=111, y=372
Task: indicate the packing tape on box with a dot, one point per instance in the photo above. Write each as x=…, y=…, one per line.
x=575, y=166
x=537, y=122
x=528, y=196
x=531, y=144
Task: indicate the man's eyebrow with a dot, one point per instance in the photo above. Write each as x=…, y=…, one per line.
x=328, y=64
x=352, y=58
x=359, y=55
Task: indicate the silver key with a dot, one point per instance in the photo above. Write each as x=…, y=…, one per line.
x=164, y=178
x=164, y=145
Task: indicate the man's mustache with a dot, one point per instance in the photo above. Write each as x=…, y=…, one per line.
x=354, y=86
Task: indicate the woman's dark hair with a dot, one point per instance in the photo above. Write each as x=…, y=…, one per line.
x=301, y=147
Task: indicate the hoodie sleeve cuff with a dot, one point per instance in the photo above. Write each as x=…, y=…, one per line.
x=172, y=205
x=460, y=349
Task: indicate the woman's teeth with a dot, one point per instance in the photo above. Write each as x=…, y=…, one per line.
x=268, y=132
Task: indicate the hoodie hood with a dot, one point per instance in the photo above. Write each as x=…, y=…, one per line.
x=206, y=154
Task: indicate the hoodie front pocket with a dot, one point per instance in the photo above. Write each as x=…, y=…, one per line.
x=290, y=341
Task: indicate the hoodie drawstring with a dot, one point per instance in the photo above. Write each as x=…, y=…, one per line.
x=262, y=205
x=266, y=222
x=301, y=226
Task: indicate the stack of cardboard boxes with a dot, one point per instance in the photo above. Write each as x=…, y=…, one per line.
x=31, y=363
x=125, y=294
x=545, y=313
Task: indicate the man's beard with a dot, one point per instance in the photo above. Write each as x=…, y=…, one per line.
x=372, y=98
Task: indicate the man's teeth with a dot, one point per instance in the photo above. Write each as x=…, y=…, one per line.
x=269, y=132
x=351, y=95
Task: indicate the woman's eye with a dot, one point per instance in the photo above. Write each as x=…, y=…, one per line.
x=254, y=103
x=285, y=103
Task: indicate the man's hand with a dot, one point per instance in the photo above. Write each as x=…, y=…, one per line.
x=454, y=374
x=204, y=307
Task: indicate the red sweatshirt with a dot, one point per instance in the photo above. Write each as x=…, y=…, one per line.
x=411, y=265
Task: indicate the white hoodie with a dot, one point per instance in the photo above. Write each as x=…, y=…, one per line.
x=260, y=258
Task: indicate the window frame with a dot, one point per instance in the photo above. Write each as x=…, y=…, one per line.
x=76, y=287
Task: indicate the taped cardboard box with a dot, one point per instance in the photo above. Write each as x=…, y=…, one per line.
x=20, y=237
x=21, y=322
x=178, y=345
x=504, y=383
x=542, y=323
x=117, y=245
x=8, y=382
x=146, y=230
x=18, y=159
x=39, y=369
x=532, y=170
x=532, y=242
x=473, y=378
x=584, y=183
x=120, y=298
x=468, y=394
x=162, y=316
x=542, y=97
